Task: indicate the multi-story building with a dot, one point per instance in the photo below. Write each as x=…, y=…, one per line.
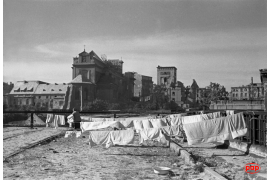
x=263, y=75
x=166, y=76
x=175, y=95
x=6, y=90
x=118, y=64
x=38, y=93
x=104, y=78
x=130, y=84
x=253, y=91
x=174, y=89
x=249, y=97
x=142, y=85
x=92, y=78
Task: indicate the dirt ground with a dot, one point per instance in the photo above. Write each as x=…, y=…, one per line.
x=73, y=158
x=227, y=162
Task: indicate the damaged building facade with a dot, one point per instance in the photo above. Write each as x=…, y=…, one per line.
x=92, y=78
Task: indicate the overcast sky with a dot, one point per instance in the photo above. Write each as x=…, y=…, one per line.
x=223, y=41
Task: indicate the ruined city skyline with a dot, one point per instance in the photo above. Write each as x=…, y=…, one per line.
x=210, y=41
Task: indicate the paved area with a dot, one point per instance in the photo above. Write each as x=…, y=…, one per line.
x=227, y=162
x=16, y=139
x=73, y=158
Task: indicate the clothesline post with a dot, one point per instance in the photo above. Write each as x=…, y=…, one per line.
x=32, y=120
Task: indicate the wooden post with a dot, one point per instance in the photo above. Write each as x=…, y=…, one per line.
x=32, y=120
x=81, y=98
x=254, y=132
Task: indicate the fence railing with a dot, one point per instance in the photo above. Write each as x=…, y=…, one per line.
x=57, y=113
x=257, y=128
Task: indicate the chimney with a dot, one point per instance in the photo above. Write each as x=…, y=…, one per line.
x=251, y=80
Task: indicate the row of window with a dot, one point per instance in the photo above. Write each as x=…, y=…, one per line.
x=27, y=102
x=31, y=90
x=241, y=95
x=46, y=97
x=245, y=89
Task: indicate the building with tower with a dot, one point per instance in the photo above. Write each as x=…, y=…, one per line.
x=92, y=78
x=166, y=75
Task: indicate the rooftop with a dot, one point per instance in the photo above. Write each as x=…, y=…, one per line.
x=165, y=67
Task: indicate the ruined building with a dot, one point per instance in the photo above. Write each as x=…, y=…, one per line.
x=92, y=78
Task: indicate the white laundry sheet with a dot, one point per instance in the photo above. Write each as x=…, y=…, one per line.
x=55, y=120
x=153, y=134
x=102, y=119
x=99, y=138
x=147, y=124
x=62, y=120
x=88, y=126
x=138, y=124
x=229, y=112
x=86, y=118
x=110, y=138
x=219, y=129
x=175, y=120
x=123, y=137
x=49, y=118
x=158, y=123
x=139, y=118
x=128, y=123
x=173, y=130
x=200, y=117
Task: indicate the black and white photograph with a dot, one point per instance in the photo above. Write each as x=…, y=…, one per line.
x=134, y=89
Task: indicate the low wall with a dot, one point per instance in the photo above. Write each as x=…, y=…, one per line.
x=237, y=106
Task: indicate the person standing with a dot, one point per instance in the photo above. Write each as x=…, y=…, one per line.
x=77, y=118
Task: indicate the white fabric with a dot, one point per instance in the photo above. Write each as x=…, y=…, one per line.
x=62, y=119
x=70, y=119
x=229, y=112
x=86, y=118
x=138, y=124
x=154, y=134
x=70, y=134
x=56, y=121
x=146, y=124
x=219, y=129
x=158, y=123
x=123, y=137
x=175, y=121
x=99, y=138
x=49, y=119
x=109, y=138
x=216, y=115
x=128, y=123
x=73, y=134
x=87, y=126
x=176, y=131
x=102, y=119
x=200, y=117
x=172, y=130
x=166, y=130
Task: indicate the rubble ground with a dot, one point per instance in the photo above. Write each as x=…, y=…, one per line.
x=73, y=158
